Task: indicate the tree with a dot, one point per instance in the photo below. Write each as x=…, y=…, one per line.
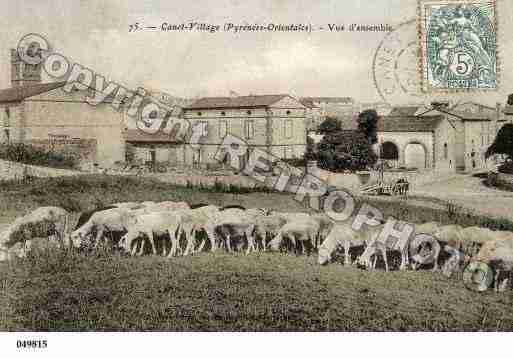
x=345, y=150
x=368, y=125
x=330, y=124
x=503, y=143
x=310, y=154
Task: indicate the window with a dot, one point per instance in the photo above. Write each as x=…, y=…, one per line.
x=446, y=151
x=288, y=152
x=196, y=156
x=249, y=129
x=288, y=129
x=223, y=129
x=7, y=117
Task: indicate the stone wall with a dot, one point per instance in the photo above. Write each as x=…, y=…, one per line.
x=83, y=149
x=18, y=171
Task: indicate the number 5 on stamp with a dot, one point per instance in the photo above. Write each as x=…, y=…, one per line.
x=458, y=45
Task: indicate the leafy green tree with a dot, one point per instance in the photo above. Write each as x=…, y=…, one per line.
x=368, y=125
x=310, y=154
x=345, y=150
x=503, y=143
x=330, y=124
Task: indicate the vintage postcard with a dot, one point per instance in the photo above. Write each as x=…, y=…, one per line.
x=459, y=47
x=176, y=168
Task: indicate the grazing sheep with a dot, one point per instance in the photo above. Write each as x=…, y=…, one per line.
x=297, y=232
x=499, y=255
x=231, y=223
x=452, y=241
x=427, y=228
x=266, y=226
x=110, y=221
x=197, y=222
x=40, y=223
x=325, y=226
x=342, y=235
x=167, y=206
x=147, y=203
x=150, y=225
x=127, y=205
x=376, y=245
x=85, y=216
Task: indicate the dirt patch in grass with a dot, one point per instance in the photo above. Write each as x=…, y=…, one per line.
x=221, y=292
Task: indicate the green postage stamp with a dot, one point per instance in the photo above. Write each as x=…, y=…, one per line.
x=458, y=44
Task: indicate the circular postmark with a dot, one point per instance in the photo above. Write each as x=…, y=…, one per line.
x=477, y=276
x=32, y=49
x=395, y=66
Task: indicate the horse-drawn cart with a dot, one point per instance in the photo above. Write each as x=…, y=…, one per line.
x=399, y=187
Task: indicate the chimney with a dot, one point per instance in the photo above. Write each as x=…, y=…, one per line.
x=23, y=74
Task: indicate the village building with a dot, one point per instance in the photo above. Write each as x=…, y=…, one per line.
x=44, y=115
x=345, y=109
x=273, y=123
x=445, y=138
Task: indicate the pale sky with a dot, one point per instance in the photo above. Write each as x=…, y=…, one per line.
x=95, y=34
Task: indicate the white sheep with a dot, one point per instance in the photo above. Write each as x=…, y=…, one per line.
x=268, y=226
x=156, y=223
x=231, y=223
x=198, y=221
x=498, y=254
x=40, y=223
x=110, y=220
x=297, y=232
x=342, y=235
x=128, y=205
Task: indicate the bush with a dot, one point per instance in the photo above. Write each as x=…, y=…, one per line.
x=31, y=155
x=507, y=167
x=295, y=162
x=503, y=143
x=330, y=124
x=345, y=150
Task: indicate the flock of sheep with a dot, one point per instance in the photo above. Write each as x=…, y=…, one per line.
x=177, y=228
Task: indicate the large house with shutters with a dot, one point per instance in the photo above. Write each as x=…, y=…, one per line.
x=273, y=123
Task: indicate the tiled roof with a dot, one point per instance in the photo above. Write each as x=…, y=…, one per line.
x=404, y=111
x=235, y=102
x=343, y=100
x=308, y=103
x=15, y=94
x=467, y=115
x=407, y=123
x=136, y=135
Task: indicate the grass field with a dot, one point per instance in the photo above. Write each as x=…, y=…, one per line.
x=65, y=291
x=221, y=292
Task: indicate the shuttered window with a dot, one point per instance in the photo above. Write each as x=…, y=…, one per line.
x=249, y=129
x=288, y=129
x=223, y=129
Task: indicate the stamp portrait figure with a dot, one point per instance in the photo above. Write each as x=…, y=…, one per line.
x=458, y=45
